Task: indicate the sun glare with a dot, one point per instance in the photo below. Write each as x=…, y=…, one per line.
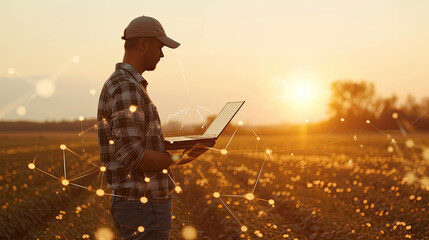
x=299, y=92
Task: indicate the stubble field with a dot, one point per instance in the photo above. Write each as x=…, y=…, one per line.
x=328, y=186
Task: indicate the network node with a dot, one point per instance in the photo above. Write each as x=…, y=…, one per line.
x=31, y=166
x=65, y=182
x=178, y=189
x=244, y=228
x=100, y=192
x=143, y=199
x=140, y=229
x=63, y=147
x=249, y=196
x=240, y=123
x=271, y=202
x=223, y=151
x=81, y=118
x=165, y=171
x=146, y=179
x=133, y=108
x=103, y=168
x=269, y=151
x=216, y=194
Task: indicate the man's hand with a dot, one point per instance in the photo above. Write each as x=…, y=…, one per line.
x=192, y=153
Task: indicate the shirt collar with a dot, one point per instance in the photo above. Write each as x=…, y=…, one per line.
x=136, y=75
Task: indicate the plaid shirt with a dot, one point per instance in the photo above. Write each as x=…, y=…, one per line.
x=128, y=123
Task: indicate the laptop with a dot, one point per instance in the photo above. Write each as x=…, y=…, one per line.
x=212, y=132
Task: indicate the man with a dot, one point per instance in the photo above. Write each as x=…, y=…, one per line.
x=131, y=140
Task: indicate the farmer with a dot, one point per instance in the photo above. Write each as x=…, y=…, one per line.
x=131, y=140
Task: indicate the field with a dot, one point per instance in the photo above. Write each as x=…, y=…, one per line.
x=369, y=185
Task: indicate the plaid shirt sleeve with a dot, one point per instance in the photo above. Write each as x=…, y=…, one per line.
x=128, y=118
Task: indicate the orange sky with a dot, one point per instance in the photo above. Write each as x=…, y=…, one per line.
x=279, y=56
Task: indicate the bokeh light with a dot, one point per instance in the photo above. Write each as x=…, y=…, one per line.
x=189, y=232
x=21, y=111
x=104, y=233
x=45, y=88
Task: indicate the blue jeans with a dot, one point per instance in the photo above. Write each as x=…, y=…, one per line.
x=130, y=216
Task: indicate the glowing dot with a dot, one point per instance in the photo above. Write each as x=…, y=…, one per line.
x=425, y=153
x=307, y=121
x=240, y=123
x=409, y=143
x=291, y=154
x=81, y=118
x=223, y=151
x=65, y=182
x=410, y=178
x=75, y=59
x=140, y=229
x=390, y=149
x=45, y=88
x=143, y=199
x=249, y=196
x=63, y=147
x=395, y=115
x=269, y=151
x=350, y=162
x=368, y=121
x=271, y=202
x=189, y=232
x=31, y=166
x=92, y=91
x=425, y=181
x=258, y=138
x=146, y=179
x=104, y=233
x=111, y=142
x=11, y=71
x=21, y=111
x=243, y=228
x=178, y=189
x=165, y=171
x=393, y=140
x=355, y=138
x=100, y=192
x=133, y=108
x=342, y=119
x=216, y=194
x=103, y=168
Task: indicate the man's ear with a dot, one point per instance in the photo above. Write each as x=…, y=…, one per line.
x=142, y=43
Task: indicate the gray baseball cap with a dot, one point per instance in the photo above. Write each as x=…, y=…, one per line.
x=145, y=26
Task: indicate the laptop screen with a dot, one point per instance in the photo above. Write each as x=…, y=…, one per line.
x=222, y=119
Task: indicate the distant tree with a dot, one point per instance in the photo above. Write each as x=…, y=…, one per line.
x=355, y=101
x=386, y=107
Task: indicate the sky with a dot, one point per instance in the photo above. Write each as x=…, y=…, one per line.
x=278, y=56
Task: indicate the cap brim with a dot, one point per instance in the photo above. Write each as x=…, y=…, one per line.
x=168, y=42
